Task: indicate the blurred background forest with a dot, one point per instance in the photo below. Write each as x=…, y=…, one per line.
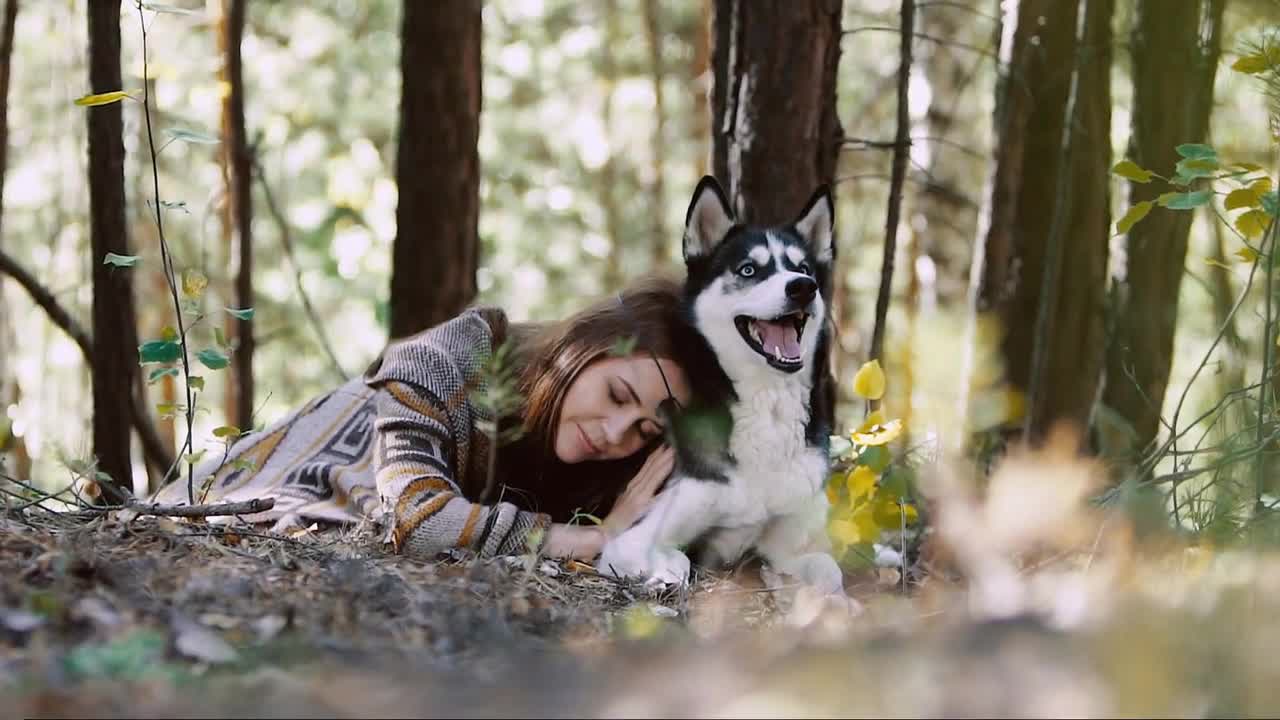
x=281, y=189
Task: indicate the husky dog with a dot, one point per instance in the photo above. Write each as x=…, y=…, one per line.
x=751, y=454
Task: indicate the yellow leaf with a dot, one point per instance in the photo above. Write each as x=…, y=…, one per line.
x=880, y=434
x=193, y=283
x=1251, y=167
x=1242, y=198
x=1131, y=218
x=1216, y=263
x=875, y=418
x=862, y=481
x=1250, y=64
x=869, y=381
x=833, y=494
x=1251, y=224
x=168, y=333
x=889, y=514
x=1260, y=187
x=105, y=98
x=1246, y=254
x=1131, y=170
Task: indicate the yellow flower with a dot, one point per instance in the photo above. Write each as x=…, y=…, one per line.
x=869, y=381
x=862, y=482
x=880, y=434
x=875, y=418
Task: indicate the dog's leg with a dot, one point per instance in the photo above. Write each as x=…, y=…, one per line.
x=652, y=547
x=726, y=545
x=797, y=545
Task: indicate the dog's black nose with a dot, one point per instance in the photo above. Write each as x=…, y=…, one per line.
x=802, y=290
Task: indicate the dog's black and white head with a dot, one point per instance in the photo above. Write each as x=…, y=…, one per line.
x=756, y=293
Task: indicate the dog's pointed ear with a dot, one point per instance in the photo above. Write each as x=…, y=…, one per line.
x=816, y=224
x=708, y=218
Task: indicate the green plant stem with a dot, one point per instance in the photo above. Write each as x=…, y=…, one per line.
x=1269, y=242
x=167, y=262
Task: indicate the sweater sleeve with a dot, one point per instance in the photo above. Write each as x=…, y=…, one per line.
x=415, y=474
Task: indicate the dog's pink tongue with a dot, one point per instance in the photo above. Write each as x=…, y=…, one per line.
x=779, y=335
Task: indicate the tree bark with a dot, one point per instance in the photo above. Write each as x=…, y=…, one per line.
x=436, y=249
x=660, y=240
x=1175, y=48
x=775, y=130
x=9, y=390
x=1049, y=215
x=235, y=144
x=115, y=347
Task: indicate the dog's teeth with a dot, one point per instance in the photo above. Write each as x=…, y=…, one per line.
x=777, y=353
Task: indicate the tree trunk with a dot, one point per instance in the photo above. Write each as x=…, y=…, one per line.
x=235, y=145
x=9, y=390
x=433, y=274
x=775, y=130
x=115, y=346
x=661, y=240
x=1046, y=240
x=1175, y=49
x=614, y=275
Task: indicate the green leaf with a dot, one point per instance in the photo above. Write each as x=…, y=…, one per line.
x=243, y=314
x=243, y=463
x=1131, y=170
x=159, y=351
x=193, y=458
x=623, y=347
x=1135, y=214
x=226, y=431
x=212, y=358
x=195, y=382
x=1197, y=167
x=875, y=457
x=1251, y=64
x=1185, y=201
x=219, y=338
x=120, y=260
x=192, y=136
x=1271, y=203
x=1197, y=151
x=168, y=410
x=896, y=482
x=105, y=98
x=161, y=372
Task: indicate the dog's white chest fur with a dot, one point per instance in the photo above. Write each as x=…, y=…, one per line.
x=777, y=472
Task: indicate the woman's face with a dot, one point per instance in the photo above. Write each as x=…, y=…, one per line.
x=611, y=409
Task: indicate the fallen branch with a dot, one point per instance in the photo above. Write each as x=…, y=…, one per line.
x=247, y=507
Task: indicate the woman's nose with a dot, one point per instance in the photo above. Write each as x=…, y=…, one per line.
x=615, y=429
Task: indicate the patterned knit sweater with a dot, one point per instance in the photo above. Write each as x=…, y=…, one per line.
x=405, y=446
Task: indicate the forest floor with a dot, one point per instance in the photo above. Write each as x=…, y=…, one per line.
x=150, y=617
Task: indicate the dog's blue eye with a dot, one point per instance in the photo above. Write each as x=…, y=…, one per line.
x=747, y=270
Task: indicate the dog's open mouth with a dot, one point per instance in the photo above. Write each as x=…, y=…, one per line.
x=777, y=339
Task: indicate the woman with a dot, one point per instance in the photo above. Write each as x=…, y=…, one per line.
x=580, y=421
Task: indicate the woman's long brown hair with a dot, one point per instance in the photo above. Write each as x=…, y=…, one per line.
x=645, y=316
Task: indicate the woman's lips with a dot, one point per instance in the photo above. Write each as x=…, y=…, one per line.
x=591, y=447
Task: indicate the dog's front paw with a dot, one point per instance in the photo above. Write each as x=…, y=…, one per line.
x=657, y=567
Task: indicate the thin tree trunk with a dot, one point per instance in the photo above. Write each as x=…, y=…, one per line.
x=700, y=81
x=433, y=274
x=661, y=241
x=613, y=223
x=240, y=201
x=1175, y=48
x=1047, y=194
x=901, y=151
x=9, y=389
x=115, y=346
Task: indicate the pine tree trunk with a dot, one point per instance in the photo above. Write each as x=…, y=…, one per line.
x=115, y=347
x=435, y=256
x=1047, y=239
x=1175, y=49
x=660, y=247
x=9, y=390
x=775, y=130
x=240, y=202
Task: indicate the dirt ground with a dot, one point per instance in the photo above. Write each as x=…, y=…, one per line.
x=159, y=618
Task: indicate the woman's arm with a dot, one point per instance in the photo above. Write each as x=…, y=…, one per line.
x=415, y=477
x=580, y=542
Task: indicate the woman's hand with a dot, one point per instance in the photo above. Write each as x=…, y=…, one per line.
x=584, y=542
x=639, y=493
